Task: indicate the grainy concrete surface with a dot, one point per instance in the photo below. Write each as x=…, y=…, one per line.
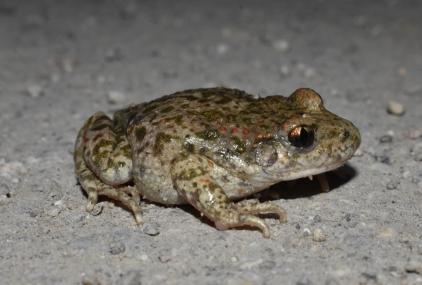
x=63, y=60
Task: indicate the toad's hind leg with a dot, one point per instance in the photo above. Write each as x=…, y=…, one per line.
x=93, y=185
x=106, y=150
x=192, y=180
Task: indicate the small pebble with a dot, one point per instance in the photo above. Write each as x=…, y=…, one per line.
x=115, y=97
x=317, y=219
x=414, y=267
x=3, y=200
x=222, y=49
x=386, y=139
x=387, y=233
x=90, y=280
x=383, y=158
x=54, y=212
x=33, y=214
x=34, y=90
x=98, y=208
x=318, y=235
x=143, y=257
x=281, y=45
x=306, y=232
x=113, y=54
x=348, y=217
x=285, y=70
x=164, y=258
x=358, y=152
x=309, y=72
x=402, y=71
x=392, y=185
x=117, y=248
x=67, y=65
x=150, y=229
x=395, y=108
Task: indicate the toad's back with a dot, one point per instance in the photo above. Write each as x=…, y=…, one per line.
x=219, y=123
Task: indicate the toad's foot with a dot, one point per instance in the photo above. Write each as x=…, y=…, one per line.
x=192, y=180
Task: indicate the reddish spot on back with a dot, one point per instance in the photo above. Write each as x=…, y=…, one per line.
x=245, y=131
x=222, y=130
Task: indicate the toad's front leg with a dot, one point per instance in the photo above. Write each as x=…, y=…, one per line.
x=192, y=180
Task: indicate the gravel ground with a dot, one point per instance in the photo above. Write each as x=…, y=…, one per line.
x=64, y=60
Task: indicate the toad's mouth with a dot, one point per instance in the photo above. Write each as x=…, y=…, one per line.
x=292, y=175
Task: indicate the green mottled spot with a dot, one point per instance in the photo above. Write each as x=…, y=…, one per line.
x=189, y=174
x=140, y=133
x=177, y=119
x=160, y=140
x=150, y=107
x=102, y=144
x=99, y=127
x=194, y=184
x=247, y=120
x=126, y=150
x=167, y=109
x=238, y=145
x=212, y=115
x=208, y=134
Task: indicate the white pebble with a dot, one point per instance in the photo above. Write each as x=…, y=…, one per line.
x=222, y=49
x=67, y=65
x=309, y=72
x=285, y=70
x=150, y=229
x=358, y=152
x=395, y=108
x=143, y=257
x=306, y=232
x=34, y=90
x=115, y=97
x=318, y=235
x=281, y=45
x=54, y=212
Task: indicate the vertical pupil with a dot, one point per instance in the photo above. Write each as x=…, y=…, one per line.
x=303, y=136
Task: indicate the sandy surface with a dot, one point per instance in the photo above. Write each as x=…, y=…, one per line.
x=62, y=62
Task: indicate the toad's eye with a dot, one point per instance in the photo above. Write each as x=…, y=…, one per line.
x=301, y=136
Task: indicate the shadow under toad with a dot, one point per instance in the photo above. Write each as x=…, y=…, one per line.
x=304, y=187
